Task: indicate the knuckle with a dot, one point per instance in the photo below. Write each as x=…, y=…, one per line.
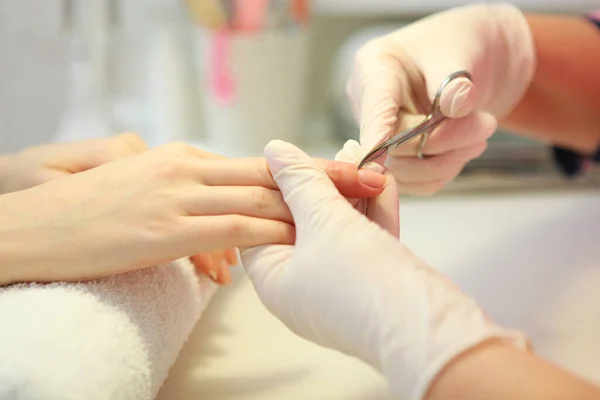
x=179, y=148
x=262, y=169
x=261, y=199
x=133, y=142
x=335, y=170
x=159, y=229
x=167, y=168
x=234, y=227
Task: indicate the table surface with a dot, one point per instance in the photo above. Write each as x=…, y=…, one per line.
x=532, y=261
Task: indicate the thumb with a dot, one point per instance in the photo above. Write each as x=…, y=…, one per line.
x=306, y=189
x=458, y=98
x=376, y=92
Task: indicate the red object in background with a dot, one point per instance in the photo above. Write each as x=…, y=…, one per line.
x=301, y=10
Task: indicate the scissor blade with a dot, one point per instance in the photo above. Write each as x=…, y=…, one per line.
x=373, y=155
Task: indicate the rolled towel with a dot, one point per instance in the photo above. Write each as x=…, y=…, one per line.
x=113, y=338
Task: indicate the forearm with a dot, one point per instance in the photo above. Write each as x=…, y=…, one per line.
x=497, y=371
x=10, y=250
x=562, y=104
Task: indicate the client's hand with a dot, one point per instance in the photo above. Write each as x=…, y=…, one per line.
x=170, y=202
x=348, y=284
x=36, y=165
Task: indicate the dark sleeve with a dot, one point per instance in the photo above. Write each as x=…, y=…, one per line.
x=571, y=163
x=594, y=18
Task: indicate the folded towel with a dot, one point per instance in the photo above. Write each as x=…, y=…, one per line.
x=114, y=338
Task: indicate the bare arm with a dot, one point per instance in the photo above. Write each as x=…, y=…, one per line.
x=562, y=105
x=497, y=371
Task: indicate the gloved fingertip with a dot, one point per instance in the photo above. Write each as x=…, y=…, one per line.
x=280, y=154
x=459, y=98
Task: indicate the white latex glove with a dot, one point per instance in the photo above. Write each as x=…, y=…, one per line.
x=382, y=209
x=348, y=284
x=396, y=77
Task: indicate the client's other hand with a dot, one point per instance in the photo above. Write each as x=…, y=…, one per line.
x=166, y=203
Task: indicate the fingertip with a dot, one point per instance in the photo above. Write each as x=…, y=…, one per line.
x=352, y=182
x=201, y=263
x=231, y=256
x=280, y=154
x=289, y=235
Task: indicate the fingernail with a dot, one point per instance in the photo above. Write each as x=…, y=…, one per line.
x=213, y=275
x=371, y=179
x=461, y=100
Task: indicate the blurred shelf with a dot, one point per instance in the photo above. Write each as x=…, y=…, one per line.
x=417, y=7
x=499, y=182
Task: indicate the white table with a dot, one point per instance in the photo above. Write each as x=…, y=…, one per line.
x=532, y=261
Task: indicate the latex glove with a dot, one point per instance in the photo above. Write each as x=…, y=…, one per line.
x=396, y=77
x=164, y=204
x=384, y=208
x=349, y=285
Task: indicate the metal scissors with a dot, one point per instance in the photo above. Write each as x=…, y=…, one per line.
x=424, y=129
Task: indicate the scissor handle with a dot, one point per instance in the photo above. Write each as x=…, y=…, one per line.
x=433, y=119
x=435, y=107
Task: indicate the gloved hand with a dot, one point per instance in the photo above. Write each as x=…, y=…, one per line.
x=348, y=284
x=396, y=77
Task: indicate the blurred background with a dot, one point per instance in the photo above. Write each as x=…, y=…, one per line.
x=75, y=69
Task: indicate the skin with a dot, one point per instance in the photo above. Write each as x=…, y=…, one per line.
x=562, y=104
x=495, y=370
x=96, y=182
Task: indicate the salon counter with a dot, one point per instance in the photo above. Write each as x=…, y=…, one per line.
x=532, y=261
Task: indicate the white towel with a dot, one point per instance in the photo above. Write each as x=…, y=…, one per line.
x=115, y=338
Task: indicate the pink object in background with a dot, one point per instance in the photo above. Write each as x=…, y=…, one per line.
x=250, y=15
x=220, y=74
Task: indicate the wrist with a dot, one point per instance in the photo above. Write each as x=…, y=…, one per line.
x=4, y=163
x=11, y=247
x=435, y=324
x=494, y=370
x=456, y=380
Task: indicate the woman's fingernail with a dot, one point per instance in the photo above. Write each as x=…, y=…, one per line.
x=371, y=179
x=213, y=275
